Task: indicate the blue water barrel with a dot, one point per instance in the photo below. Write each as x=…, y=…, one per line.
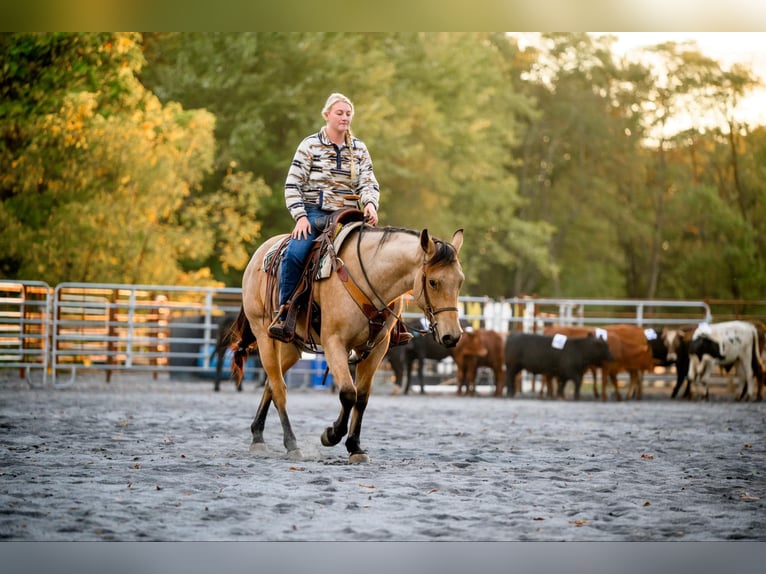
x=319, y=365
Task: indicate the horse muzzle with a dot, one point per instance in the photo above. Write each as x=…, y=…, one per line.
x=449, y=340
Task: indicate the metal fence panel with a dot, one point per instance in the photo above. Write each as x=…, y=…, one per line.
x=172, y=329
x=153, y=328
x=25, y=308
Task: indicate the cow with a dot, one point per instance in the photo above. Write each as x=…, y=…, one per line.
x=569, y=331
x=728, y=344
x=630, y=352
x=559, y=356
x=478, y=348
x=677, y=341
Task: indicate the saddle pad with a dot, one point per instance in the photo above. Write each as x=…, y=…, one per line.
x=325, y=263
x=267, y=264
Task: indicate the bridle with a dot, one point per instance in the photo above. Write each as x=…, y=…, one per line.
x=428, y=308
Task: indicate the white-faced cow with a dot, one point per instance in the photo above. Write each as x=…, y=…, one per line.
x=729, y=344
x=559, y=356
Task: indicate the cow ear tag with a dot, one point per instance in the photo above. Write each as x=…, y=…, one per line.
x=559, y=341
x=650, y=334
x=601, y=333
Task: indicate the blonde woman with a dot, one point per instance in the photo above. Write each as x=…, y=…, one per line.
x=331, y=170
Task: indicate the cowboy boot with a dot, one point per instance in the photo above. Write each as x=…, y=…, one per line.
x=400, y=335
x=280, y=326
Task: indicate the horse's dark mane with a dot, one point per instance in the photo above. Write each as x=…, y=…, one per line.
x=445, y=254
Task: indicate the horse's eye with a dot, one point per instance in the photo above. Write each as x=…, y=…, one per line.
x=432, y=283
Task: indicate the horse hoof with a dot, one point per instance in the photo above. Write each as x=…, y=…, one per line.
x=295, y=454
x=327, y=440
x=358, y=458
x=259, y=448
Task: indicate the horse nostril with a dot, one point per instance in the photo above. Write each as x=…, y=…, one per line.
x=449, y=341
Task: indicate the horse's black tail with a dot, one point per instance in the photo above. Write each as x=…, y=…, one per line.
x=242, y=338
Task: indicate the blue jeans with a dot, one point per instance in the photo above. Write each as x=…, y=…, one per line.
x=295, y=255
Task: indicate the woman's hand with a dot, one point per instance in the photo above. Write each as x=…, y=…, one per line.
x=302, y=228
x=371, y=214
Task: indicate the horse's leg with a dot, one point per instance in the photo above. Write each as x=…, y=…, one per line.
x=365, y=373
x=276, y=359
x=259, y=422
x=421, y=376
x=337, y=361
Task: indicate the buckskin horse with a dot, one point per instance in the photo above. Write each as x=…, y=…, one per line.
x=356, y=307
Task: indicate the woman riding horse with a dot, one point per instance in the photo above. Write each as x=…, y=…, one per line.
x=359, y=304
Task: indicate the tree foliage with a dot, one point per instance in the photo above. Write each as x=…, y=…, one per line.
x=161, y=158
x=101, y=178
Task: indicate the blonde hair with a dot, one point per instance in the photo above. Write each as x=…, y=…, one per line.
x=334, y=98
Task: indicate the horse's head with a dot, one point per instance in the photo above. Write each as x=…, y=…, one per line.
x=437, y=288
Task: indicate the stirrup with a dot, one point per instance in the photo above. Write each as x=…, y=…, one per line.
x=281, y=328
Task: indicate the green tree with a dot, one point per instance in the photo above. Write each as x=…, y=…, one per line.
x=98, y=176
x=436, y=111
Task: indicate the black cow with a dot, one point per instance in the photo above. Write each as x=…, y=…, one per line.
x=676, y=341
x=657, y=344
x=565, y=358
x=423, y=346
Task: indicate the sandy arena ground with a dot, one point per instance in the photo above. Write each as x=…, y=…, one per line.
x=144, y=460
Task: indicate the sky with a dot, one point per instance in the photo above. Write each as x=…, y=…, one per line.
x=728, y=48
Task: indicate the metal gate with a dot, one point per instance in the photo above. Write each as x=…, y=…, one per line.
x=153, y=328
x=25, y=320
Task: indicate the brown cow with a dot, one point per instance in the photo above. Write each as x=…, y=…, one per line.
x=635, y=357
x=479, y=348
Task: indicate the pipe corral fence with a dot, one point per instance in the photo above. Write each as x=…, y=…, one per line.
x=51, y=333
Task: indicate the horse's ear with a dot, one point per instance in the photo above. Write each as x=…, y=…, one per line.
x=426, y=243
x=457, y=240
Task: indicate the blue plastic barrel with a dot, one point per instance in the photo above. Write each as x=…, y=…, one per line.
x=319, y=365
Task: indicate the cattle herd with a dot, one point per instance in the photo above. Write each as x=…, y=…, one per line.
x=562, y=354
